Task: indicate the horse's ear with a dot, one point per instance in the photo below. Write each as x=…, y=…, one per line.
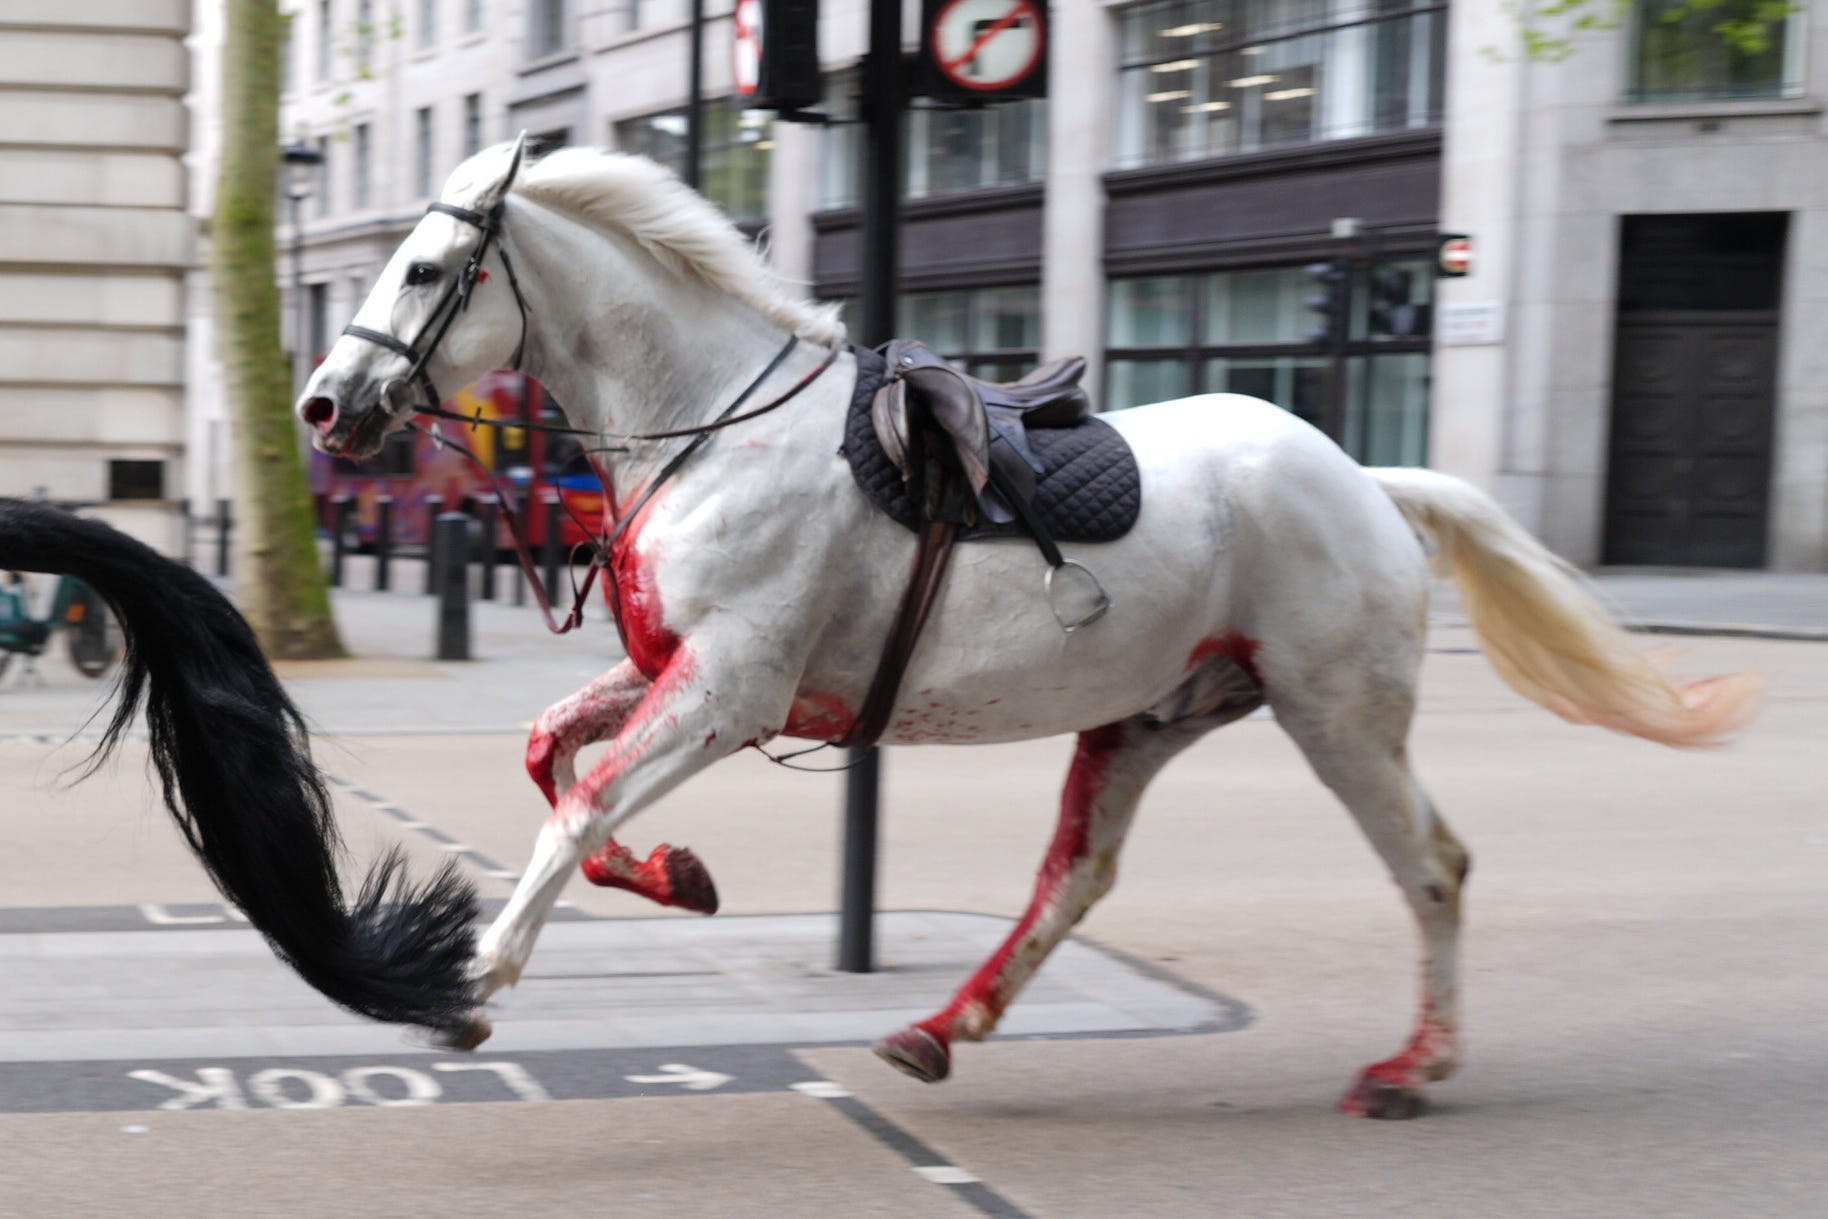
x=496, y=191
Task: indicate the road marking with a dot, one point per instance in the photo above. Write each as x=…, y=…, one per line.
x=821, y=1089
x=688, y=1077
x=159, y=916
x=946, y=1174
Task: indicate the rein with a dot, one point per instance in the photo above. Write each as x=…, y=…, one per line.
x=603, y=547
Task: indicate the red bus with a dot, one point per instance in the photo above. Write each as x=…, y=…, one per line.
x=413, y=468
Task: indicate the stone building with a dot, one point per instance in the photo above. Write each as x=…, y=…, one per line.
x=94, y=246
x=1202, y=170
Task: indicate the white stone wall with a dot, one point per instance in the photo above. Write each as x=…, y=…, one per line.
x=94, y=245
x=1541, y=160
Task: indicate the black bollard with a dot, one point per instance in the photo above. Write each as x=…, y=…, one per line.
x=340, y=508
x=487, y=511
x=222, y=537
x=383, y=540
x=453, y=552
x=549, y=550
x=434, y=505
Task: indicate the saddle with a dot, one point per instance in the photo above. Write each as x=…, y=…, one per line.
x=955, y=458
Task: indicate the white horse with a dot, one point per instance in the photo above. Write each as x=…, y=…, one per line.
x=755, y=588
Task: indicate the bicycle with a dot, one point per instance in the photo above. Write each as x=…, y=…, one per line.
x=75, y=609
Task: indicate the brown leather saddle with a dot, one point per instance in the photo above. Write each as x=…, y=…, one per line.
x=955, y=457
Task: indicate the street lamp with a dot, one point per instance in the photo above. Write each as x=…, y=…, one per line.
x=301, y=163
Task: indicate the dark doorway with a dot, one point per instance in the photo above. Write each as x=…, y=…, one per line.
x=1694, y=380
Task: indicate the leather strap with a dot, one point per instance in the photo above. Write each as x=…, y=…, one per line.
x=932, y=551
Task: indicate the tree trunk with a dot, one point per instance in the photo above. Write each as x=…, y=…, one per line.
x=280, y=579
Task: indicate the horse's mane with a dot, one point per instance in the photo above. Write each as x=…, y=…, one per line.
x=672, y=222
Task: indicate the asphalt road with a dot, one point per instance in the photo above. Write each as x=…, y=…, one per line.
x=1645, y=984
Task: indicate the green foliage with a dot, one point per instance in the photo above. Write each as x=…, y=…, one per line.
x=1546, y=32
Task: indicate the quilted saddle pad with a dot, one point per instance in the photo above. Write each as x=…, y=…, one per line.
x=1088, y=490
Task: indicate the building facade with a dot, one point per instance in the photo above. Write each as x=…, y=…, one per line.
x=94, y=247
x=1203, y=173
x=1642, y=375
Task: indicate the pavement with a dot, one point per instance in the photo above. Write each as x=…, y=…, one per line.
x=1644, y=974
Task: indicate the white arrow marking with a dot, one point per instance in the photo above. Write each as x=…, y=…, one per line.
x=690, y=1078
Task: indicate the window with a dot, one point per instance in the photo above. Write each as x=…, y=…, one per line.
x=992, y=333
x=550, y=28
x=364, y=37
x=422, y=151
x=946, y=151
x=136, y=479
x=428, y=24
x=317, y=314
x=1210, y=78
x=324, y=41
x=472, y=124
x=361, y=194
x=1251, y=331
x=472, y=16
x=737, y=146
x=1676, y=55
x=320, y=188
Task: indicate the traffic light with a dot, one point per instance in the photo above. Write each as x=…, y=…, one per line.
x=788, y=76
x=1332, y=302
x=1393, y=312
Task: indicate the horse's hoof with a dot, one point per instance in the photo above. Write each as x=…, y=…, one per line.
x=1384, y=1099
x=471, y=1031
x=690, y=881
x=914, y=1051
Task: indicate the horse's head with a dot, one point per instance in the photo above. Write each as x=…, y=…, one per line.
x=444, y=312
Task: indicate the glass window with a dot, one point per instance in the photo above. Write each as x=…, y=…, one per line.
x=324, y=41
x=941, y=320
x=361, y=186
x=1253, y=331
x=551, y=28
x=737, y=147
x=364, y=37
x=320, y=187
x=1208, y=78
x=422, y=151
x=946, y=151
x=472, y=124
x=472, y=16
x=428, y=24
x=1678, y=53
x=1154, y=312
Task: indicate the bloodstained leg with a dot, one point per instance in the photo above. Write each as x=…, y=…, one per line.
x=1359, y=753
x=671, y=876
x=1111, y=768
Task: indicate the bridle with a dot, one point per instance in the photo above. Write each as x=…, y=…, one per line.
x=455, y=300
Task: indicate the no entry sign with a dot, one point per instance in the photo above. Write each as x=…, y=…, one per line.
x=1455, y=257
x=983, y=50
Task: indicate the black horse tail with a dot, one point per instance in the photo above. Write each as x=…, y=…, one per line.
x=233, y=759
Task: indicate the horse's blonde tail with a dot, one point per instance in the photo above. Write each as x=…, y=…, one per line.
x=1548, y=634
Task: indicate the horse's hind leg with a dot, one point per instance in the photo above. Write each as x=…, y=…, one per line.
x=1111, y=768
x=671, y=876
x=1356, y=746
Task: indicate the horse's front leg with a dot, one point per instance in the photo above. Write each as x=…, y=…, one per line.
x=691, y=716
x=670, y=876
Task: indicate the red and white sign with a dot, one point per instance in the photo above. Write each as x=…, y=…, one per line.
x=747, y=47
x=1456, y=255
x=987, y=44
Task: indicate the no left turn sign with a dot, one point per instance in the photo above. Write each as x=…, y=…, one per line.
x=982, y=50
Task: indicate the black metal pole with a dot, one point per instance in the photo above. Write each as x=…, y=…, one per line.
x=383, y=541
x=340, y=508
x=880, y=194
x=488, y=511
x=453, y=546
x=223, y=523
x=434, y=508
x=549, y=549
x=695, y=86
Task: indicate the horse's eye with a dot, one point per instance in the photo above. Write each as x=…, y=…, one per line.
x=421, y=273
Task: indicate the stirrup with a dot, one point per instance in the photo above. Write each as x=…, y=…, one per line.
x=1099, y=611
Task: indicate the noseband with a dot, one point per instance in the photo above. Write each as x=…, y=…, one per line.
x=455, y=300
